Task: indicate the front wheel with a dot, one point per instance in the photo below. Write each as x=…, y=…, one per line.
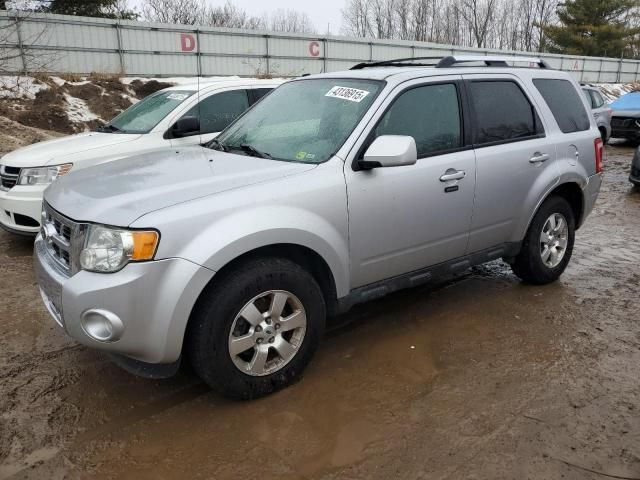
x=257, y=327
x=548, y=245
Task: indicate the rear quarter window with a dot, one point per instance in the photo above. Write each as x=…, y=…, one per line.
x=564, y=102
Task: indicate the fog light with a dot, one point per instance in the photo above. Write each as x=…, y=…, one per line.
x=102, y=325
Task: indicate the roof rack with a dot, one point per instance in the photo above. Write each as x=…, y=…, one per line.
x=453, y=61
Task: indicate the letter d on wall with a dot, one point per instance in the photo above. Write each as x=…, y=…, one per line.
x=187, y=42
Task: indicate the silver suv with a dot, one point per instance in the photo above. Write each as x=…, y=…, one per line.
x=333, y=190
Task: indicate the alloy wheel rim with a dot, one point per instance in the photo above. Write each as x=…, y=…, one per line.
x=267, y=333
x=554, y=239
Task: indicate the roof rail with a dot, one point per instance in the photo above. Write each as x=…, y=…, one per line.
x=452, y=61
x=399, y=62
x=490, y=61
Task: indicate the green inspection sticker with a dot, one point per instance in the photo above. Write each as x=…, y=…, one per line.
x=301, y=155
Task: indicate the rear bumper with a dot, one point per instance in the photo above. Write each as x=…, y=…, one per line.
x=590, y=195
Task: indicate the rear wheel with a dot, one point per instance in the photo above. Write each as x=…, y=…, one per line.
x=548, y=245
x=256, y=329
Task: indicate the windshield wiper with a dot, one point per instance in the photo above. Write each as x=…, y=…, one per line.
x=252, y=151
x=108, y=128
x=217, y=145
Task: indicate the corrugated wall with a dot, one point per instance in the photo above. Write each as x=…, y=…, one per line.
x=66, y=44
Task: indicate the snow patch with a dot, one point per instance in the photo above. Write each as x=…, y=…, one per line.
x=78, y=110
x=12, y=86
x=612, y=91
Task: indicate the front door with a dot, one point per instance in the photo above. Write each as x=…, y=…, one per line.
x=406, y=218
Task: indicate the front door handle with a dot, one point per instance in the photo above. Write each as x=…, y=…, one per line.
x=453, y=174
x=539, y=157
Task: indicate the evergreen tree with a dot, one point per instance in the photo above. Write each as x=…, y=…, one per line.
x=593, y=27
x=90, y=8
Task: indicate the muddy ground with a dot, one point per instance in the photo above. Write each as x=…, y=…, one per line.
x=478, y=377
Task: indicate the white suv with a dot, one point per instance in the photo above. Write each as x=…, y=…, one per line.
x=182, y=115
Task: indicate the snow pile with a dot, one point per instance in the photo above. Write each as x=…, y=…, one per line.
x=78, y=110
x=12, y=86
x=612, y=91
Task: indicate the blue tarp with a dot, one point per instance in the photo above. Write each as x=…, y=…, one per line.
x=630, y=101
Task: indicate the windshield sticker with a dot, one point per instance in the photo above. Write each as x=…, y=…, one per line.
x=305, y=156
x=346, y=93
x=177, y=96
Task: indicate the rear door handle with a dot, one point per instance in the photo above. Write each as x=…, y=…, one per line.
x=539, y=157
x=453, y=174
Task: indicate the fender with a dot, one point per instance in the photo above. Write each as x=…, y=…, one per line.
x=248, y=229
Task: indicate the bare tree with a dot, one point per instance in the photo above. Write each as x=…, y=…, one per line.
x=230, y=16
x=187, y=12
x=290, y=21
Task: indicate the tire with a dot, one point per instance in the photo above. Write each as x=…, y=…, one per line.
x=210, y=335
x=529, y=264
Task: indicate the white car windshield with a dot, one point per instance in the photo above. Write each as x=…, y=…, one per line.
x=302, y=121
x=147, y=113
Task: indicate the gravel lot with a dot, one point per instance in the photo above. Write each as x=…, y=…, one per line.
x=478, y=377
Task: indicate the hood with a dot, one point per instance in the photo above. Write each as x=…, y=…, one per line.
x=53, y=152
x=626, y=113
x=627, y=103
x=119, y=192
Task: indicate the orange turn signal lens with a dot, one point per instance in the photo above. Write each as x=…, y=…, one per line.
x=144, y=245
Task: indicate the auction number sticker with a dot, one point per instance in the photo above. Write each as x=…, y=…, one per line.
x=346, y=93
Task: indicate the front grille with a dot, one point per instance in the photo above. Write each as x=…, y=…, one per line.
x=8, y=177
x=623, y=122
x=25, y=221
x=63, y=238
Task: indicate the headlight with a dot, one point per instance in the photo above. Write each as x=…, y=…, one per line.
x=43, y=175
x=110, y=249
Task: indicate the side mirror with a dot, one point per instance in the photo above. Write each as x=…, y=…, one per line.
x=185, y=126
x=390, y=151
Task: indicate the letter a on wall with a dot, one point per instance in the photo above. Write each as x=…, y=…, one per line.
x=187, y=42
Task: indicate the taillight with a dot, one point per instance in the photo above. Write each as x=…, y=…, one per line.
x=599, y=147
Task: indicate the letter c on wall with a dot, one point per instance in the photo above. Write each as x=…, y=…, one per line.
x=314, y=49
x=187, y=42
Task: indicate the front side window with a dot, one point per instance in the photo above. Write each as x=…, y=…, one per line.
x=430, y=114
x=148, y=112
x=501, y=112
x=564, y=103
x=303, y=120
x=218, y=111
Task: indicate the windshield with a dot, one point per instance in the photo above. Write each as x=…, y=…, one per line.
x=147, y=113
x=303, y=121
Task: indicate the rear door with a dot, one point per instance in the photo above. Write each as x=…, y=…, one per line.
x=513, y=156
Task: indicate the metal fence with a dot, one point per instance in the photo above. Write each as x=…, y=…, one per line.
x=69, y=44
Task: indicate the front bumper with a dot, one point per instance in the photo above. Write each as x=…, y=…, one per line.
x=590, y=194
x=152, y=299
x=20, y=209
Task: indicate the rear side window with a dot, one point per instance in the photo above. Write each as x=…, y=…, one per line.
x=501, y=112
x=430, y=114
x=565, y=104
x=257, y=93
x=218, y=111
x=596, y=99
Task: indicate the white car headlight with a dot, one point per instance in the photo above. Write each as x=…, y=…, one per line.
x=43, y=175
x=110, y=249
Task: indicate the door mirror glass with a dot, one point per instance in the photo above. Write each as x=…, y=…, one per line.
x=390, y=151
x=186, y=126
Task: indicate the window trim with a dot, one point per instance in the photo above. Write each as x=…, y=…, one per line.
x=537, y=119
x=464, y=126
